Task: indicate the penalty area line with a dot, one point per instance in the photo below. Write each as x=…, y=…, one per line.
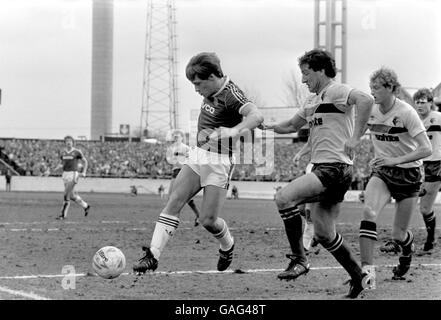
x=185, y=272
x=24, y=294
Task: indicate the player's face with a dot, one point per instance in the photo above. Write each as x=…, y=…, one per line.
x=207, y=87
x=177, y=138
x=69, y=143
x=380, y=93
x=312, y=79
x=423, y=106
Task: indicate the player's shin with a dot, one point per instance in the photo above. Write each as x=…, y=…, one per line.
x=367, y=240
x=430, y=222
x=343, y=255
x=224, y=237
x=80, y=201
x=65, y=208
x=164, y=229
x=294, y=230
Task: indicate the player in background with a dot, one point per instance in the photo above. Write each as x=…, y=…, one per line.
x=400, y=142
x=225, y=114
x=70, y=158
x=305, y=209
x=423, y=100
x=335, y=132
x=176, y=155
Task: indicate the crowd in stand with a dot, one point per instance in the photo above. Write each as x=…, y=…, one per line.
x=144, y=160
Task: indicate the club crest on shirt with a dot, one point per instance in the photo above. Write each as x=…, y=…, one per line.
x=396, y=121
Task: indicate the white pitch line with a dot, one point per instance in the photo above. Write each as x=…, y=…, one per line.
x=183, y=272
x=29, y=295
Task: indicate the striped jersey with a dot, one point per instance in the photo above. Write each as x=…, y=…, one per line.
x=223, y=109
x=393, y=133
x=331, y=123
x=177, y=154
x=432, y=123
x=70, y=159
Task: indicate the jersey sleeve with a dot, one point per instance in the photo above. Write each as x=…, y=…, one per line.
x=413, y=123
x=79, y=154
x=236, y=99
x=339, y=95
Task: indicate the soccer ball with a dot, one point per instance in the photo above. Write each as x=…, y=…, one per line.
x=109, y=262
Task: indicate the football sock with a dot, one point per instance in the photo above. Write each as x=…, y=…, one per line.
x=225, y=239
x=343, y=255
x=308, y=235
x=80, y=202
x=367, y=239
x=406, y=244
x=294, y=230
x=164, y=229
x=65, y=208
x=430, y=222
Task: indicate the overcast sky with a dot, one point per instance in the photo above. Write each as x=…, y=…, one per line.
x=45, y=60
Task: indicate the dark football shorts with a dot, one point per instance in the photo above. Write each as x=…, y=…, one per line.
x=336, y=177
x=432, y=171
x=402, y=182
x=175, y=172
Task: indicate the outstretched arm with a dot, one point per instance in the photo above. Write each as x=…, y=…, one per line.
x=363, y=104
x=292, y=125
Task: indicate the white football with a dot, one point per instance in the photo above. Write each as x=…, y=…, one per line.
x=109, y=262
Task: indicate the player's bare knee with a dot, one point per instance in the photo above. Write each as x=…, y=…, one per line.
x=282, y=201
x=425, y=210
x=369, y=214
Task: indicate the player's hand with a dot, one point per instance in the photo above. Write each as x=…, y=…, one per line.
x=83, y=174
x=264, y=126
x=383, y=162
x=350, y=146
x=223, y=132
x=296, y=159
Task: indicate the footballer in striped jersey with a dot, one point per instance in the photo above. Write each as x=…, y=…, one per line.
x=334, y=134
x=423, y=100
x=400, y=143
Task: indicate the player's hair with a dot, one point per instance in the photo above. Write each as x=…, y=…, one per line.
x=203, y=65
x=423, y=93
x=69, y=137
x=387, y=77
x=319, y=59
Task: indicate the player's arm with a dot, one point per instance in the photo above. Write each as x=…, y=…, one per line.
x=306, y=148
x=252, y=117
x=363, y=104
x=58, y=167
x=423, y=150
x=85, y=163
x=288, y=126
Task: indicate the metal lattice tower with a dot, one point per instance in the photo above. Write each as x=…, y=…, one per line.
x=159, y=99
x=331, y=27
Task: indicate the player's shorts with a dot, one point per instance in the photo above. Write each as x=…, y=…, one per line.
x=213, y=168
x=175, y=172
x=336, y=177
x=432, y=171
x=70, y=177
x=402, y=183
